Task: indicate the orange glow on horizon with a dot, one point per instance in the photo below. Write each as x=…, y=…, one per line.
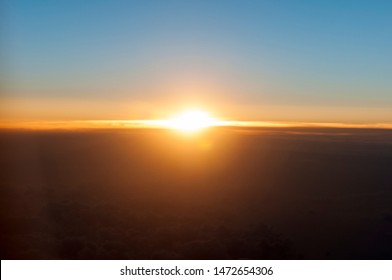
x=174, y=124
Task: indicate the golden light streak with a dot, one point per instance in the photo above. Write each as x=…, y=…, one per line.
x=165, y=124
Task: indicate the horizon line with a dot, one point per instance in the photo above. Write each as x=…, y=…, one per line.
x=162, y=124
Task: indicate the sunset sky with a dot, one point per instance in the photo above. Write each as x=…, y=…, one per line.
x=305, y=61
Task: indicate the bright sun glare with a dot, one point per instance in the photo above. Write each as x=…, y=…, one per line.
x=192, y=120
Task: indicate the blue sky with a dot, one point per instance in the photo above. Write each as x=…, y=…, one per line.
x=295, y=54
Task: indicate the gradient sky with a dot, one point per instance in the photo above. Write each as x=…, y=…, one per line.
x=244, y=60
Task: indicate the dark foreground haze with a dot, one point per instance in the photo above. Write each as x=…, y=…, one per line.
x=226, y=193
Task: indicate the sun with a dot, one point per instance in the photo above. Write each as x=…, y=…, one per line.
x=191, y=121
